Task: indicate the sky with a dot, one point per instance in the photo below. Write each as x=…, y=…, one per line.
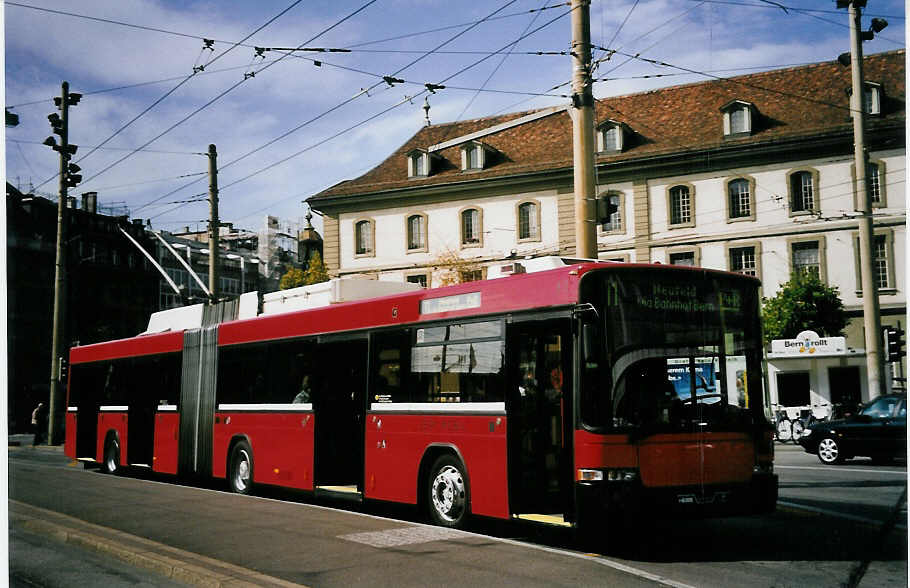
x=288, y=124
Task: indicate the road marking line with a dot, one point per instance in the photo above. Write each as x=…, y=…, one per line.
x=840, y=469
x=834, y=513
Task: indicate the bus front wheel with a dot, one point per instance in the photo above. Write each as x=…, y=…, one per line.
x=240, y=472
x=448, y=489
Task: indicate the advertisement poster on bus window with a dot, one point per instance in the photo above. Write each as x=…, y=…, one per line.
x=707, y=370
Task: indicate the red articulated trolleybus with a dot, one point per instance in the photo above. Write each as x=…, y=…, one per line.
x=577, y=395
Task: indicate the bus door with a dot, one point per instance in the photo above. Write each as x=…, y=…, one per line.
x=540, y=425
x=86, y=386
x=339, y=405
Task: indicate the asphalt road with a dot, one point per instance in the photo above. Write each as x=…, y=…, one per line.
x=290, y=537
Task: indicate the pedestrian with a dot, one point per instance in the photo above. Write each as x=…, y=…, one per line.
x=39, y=423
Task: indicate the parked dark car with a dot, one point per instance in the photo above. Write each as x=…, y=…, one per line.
x=878, y=430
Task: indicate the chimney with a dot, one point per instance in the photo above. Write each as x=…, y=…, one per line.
x=90, y=202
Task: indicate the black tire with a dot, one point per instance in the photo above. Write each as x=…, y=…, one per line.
x=110, y=461
x=448, y=497
x=829, y=451
x=240, y=469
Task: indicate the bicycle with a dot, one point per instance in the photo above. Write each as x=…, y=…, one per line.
x=807, y=417
x=783, y=428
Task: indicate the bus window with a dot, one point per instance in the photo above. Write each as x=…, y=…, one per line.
x=458, y=363
x=390, y=351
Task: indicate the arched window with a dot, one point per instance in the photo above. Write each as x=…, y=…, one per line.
x=528, y=221
x=740, y=195
x=680, y=205
x=470, y=227
x=417, y=230
x=609, y=212
x=363, y=237
x=802, y=192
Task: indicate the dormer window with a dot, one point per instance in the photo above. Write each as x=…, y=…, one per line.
x=473, y=156
x=418, y=163
x=872, y=98
x=737, y=118
x=611, y=136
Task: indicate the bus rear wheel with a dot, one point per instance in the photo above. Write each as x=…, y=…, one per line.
x=110, y=464
x=240, y=470
x=448, y=492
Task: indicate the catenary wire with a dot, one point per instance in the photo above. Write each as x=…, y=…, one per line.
x=340, y=105
x=406, y=100
x=231, y=88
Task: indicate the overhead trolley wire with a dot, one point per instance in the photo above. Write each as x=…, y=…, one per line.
x=348, y=129
x=168, y=93
x=224, y=93
x=337, y=106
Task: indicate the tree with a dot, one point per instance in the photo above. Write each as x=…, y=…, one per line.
x=804, y=303
x=316, y=272
x=293, y=278
x=453, y=269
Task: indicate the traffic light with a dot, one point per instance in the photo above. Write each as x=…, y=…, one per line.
x=72, y=174
x=894, y=343
x=56, y=123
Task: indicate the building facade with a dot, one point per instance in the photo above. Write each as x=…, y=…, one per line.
x=751, y=174
x=110, y=289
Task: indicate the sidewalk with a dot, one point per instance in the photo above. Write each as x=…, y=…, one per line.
x=25, y=440
x=179, y=565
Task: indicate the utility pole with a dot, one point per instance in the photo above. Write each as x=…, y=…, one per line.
x=68, y=178
x=863, y=204
x=214, y=224
x=583, y=130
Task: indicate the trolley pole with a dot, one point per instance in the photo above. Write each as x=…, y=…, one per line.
x=583, y=130
x=871, y=312
x=59, y=321
x=214, y=224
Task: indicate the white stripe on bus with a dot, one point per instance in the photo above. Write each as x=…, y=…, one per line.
x=114, y=408
x=167, y=408
x=300, y=407
x=72, y=409
x=440, y=407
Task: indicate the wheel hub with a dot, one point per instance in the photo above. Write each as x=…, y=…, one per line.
x=242, y=474
x=448, y=493
x=827, y=449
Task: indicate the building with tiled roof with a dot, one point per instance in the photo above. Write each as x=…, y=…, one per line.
x=751, y=173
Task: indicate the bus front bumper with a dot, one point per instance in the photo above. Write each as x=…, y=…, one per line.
x=630, y=498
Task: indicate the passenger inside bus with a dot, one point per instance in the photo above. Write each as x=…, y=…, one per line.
x=305, y=394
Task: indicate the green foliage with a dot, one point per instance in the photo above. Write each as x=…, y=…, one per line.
x=804, y=303
x=317, y=271
x=293, y=278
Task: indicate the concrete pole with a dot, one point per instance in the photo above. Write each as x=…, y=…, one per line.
x=57, y=391
x=871, y=317
x=583, y=130
x=214, y=257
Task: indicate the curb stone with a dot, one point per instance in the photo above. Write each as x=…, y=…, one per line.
x=179, y=565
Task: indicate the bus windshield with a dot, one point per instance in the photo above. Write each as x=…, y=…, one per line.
x=678, y=351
